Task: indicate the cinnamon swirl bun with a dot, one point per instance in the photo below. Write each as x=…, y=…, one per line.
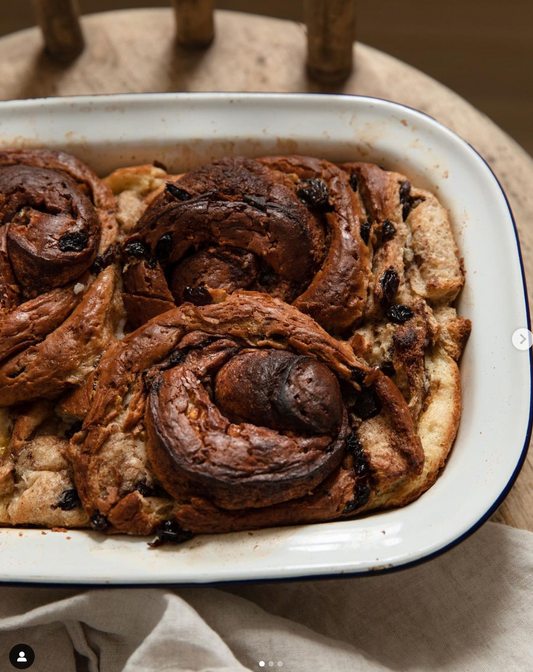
x=240, y=414
x=291, y=356
x=58, y=312
x=286, y=226
x=60, y=306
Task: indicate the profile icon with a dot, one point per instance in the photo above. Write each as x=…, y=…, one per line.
x=21, y=657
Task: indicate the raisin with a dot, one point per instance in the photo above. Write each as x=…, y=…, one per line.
x=411, y=205
x=176, y=192
x=198, y=296
x=366, y=403
x=74, y=429
x=387, y=230
x=75, y=241
x=99, y=522
x=314, y=193
x=361, y=495
x=144, y=489
x=388, y=369
x=365, y=231
x=405, y=190
x=354, y=446
x=136, y=249
x=170, y=532
x=104, y=260
x=176, y=358
x=353, y=181
x=69, y=500
x=164, y=246
x=399, y=313
x=389, y=284
x=358, y=375
x=407, y=202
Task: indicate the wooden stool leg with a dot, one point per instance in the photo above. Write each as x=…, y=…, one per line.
x=61, y=28
x=195, y=24
x=330, y=38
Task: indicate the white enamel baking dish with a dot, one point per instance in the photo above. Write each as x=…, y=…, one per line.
x=185, y=130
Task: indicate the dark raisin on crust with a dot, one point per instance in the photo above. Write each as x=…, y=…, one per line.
x=314, y=193
x=144, y=489
x=177, y=357
x=170, y=532
x=73, y=429
x=366, y=403
x=198, y=296
x=164, y=246
x=104, y=260
x=399, y=313
x=99, y=522
x=390, y=282
x=69, y=500
x=405, y=191
x=74, y=241
x=361, y=496
x=353, y=181
x=388, y=368
x=176, y=192
x=136, y=249
x=357, y=375
x=354, y=446
x=407, y=202
x=388, y=230
x=365, y=231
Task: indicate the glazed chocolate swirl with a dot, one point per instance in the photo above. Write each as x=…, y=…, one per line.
x=247, y=414
x=286, y=226
x=56, y=216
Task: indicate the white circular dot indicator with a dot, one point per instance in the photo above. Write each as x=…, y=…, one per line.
x=261, y=663
x=271, y=663
x=522, y=339
x=280, y=663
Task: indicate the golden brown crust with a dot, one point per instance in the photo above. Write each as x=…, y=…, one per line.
x=115, y=422
x=286, y=226
x=235, y=410
x=57, y=313
x=68, y=354
x=36, y=483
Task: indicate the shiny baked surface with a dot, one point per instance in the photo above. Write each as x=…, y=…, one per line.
x=291, y=354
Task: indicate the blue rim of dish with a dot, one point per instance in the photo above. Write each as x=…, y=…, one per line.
x=364, y=572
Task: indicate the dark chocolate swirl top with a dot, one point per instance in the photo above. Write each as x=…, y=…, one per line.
x=284, y=226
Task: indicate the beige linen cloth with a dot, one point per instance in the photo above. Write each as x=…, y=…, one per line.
x=468, y=610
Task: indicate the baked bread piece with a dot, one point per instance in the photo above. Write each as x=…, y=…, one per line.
x=229, y=412
x=288, y=227
x=36, y=478
x=248, y=414
x=411, y=331
x=60, y=308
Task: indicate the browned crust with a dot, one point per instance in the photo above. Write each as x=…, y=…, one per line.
x=255, y=319
x=337, y=295
x=68, y=353
x=98, y=192
x=318, y=260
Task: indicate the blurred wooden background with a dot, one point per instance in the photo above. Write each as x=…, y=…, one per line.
x=483, y=50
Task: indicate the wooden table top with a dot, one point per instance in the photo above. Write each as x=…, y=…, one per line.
x=135, y=51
